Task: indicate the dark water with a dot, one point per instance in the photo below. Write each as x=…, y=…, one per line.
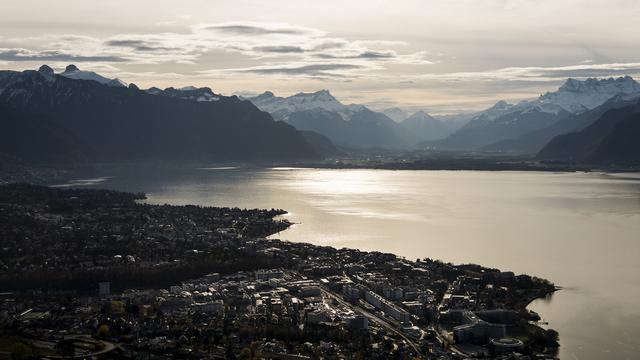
x=581, y=231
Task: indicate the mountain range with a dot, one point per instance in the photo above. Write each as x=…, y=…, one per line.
x=521, y=128
x=77, y=115
x=526, y=127
x=353, y=126
x=611, y=139
x=533, y=142
x=80, y=116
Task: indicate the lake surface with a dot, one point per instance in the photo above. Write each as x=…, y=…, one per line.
x=581, y=231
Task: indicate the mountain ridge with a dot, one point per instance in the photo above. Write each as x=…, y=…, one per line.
x=351, y=126
x=520, y=127
x=615, y=133
x=126, y=124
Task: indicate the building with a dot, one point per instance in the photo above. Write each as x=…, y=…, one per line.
x=316, y=317
x=478, y=332
x=310, y=291
x=357, y=323
x=374, y=299
x=351, y=292
x=269, y=274
x=393, y=293
x=507, y=345
x=211, y=307
x=389, y=308
x=396, y=312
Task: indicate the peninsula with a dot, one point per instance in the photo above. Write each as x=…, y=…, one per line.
x=100, y=273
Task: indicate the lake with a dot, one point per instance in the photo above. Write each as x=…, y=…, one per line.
x=579, y=230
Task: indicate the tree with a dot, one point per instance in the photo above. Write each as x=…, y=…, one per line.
x=103, y=331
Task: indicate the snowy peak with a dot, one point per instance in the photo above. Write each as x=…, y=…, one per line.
x=116, y=83
x=623, y=84
x=321, y=96
x=498, y=109
x=299, y=102
x=72, y=72
x=574, y=96
x=581, y=95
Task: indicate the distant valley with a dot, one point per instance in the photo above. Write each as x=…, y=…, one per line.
x=353, y=126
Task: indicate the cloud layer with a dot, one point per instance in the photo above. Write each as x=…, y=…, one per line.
x=584, y=69
x=280, y=48
x=457, y=53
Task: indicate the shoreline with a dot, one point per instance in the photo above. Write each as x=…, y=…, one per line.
x=542, y=296
x=471, y=166
x=236, y=241
x=62, y=174
x=525, y=308
x=539, y=297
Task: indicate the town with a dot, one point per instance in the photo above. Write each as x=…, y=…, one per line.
x=100, y=274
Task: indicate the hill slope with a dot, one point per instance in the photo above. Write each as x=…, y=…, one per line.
x=527, y=126
x=127, y=124
x=611, y=139
x=36, y=139
x=533, y=142
x=486, y=129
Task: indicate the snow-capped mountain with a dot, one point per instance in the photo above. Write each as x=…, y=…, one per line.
x=352, y=126
x=72, y=72
x=281, y=107
x=612, y=138
x=574, y=96
x=491, y=114
x=533, y=142
x=577, y=96
x=505, y=121
x=500, y=122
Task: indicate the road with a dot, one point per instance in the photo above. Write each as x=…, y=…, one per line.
x=372, y=317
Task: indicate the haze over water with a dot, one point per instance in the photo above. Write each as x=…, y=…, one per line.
x=578, y=230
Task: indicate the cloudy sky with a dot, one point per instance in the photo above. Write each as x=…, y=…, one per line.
x=441, y=56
